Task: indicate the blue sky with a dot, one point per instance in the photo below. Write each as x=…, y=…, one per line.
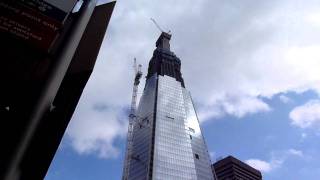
x=252, y=68
x=269, y=137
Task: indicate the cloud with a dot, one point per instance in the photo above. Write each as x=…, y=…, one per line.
x=238, y=106
x=306, y=115
x=93, y=130
x=276, y=161
x=260, y=165
x=247, y=53
x=295, y=152
x=266, y=166
x=313, y=19
x=285, y=99
x=234, y=55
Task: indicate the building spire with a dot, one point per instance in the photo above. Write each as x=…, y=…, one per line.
x=163, y=61
x=163, y=41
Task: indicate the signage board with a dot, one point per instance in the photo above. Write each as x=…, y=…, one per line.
x=34, y=21
x=65, y=5
x=44, y=8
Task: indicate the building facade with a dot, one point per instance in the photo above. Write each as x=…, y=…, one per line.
x=167, y=139
x=231, y=168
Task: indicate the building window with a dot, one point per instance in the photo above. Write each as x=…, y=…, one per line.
x=145, y=120
x=170, y=117
x=191, y=129
x=190, y=136
x=196, y=155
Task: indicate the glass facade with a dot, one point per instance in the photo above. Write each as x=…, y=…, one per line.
x=142, y=133
x=199, y=148
x=173, y=157
x=167, y=139
x=180, y=151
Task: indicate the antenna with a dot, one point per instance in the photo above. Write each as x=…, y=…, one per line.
x=155, y=22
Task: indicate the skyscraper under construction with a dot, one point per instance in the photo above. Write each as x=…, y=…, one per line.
x=165, y=141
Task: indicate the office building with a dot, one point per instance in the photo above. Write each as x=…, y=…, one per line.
x=167, y=142
x=231, y=168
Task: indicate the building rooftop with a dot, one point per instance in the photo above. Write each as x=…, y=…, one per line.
x=233, y=167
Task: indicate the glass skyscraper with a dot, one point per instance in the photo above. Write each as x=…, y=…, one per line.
x=167, y=143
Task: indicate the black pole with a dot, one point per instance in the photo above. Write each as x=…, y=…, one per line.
x=51, y=86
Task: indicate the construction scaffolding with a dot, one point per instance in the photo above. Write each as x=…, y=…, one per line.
x=132, y=119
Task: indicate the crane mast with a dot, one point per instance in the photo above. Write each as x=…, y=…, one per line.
x=132, y=118
x=157, y=25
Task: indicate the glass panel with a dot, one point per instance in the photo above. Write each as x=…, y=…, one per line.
x=179, y=152
x=174, y=152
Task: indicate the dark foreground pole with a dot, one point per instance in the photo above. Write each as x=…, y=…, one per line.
x=51, y=87
x=40, y=91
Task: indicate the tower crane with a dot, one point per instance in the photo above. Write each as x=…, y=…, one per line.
x=132, y=118
x=155, y=22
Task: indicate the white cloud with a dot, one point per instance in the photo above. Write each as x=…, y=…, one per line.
x=314, y=18
x=266, y=166
x=235, y=105
x=252, y=57
x=276, y=161
x=285, y=99
x=234, y=54
x=260, y=165
x=295, y=152
x=94, y=128
x=244, y=105
x=306, y=115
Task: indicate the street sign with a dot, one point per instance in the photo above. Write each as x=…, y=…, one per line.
x=33, y=21
x=64, y=5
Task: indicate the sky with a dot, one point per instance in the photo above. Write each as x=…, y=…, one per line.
x=253, y=70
